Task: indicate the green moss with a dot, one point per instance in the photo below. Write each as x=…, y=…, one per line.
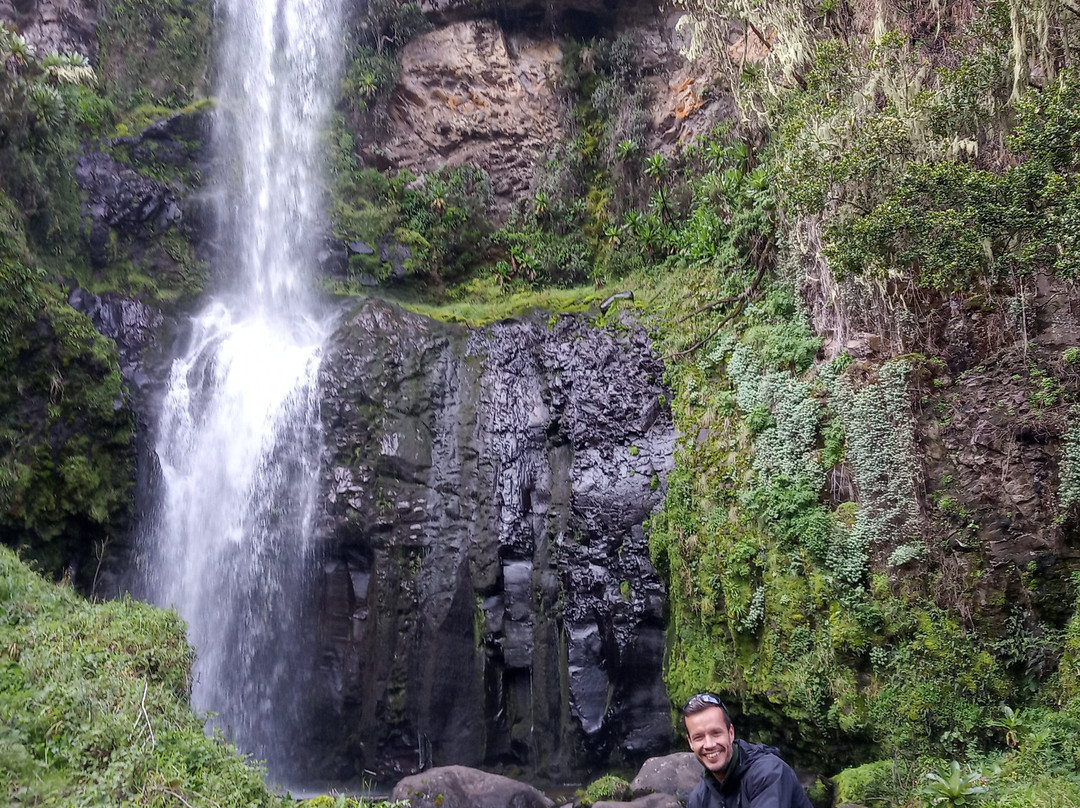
x=1069, y=669
x=883, y=782
x=93, y=705
x=487, y=303
x=610, y=787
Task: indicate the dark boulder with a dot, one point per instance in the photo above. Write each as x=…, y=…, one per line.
x=122, y=199
x=676, y=774
x=174, y=142
x=645, y=801
x=131, y=324
x=462, y=787
x=137, y=329
x=144, y=204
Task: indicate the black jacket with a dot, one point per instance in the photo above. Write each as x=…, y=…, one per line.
x=760, y=780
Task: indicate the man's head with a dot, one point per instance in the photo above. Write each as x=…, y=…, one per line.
x=709, y=729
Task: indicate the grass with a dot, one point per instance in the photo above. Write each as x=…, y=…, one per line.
x=482, y=302
x=94, y=706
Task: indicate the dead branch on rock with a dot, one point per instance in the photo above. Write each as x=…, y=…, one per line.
x=739, y=300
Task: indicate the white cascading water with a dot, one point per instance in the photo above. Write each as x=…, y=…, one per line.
x=239, y=435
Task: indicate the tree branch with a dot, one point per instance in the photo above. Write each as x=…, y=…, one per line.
x=739, y=300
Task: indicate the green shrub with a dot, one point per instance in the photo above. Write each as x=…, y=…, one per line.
x=882, y=782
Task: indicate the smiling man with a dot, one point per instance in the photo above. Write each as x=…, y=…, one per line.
x=737, y=774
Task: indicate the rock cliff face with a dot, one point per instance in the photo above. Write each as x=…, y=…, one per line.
x=488, y=596
x=482, y=88
x=159, y=226
x=468, y=94
x=65, y=26
x=991, y=428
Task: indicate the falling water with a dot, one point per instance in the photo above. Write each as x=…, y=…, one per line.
x=239, y=434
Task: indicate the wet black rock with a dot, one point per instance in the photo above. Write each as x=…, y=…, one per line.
x=138, y=331
x=487, y=594
x=676, y=775
x=122, y=199
x=645, y=801
x=126, y=205
x=131, y=324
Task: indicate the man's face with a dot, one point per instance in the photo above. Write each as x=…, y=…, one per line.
x=710, y=738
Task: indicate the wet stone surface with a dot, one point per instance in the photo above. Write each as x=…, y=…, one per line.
x=487, y=594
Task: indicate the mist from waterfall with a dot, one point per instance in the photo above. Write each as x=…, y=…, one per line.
x=239, y=435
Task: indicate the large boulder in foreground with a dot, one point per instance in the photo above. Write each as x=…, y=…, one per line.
x=646, y=801
x=675, y=774
x=462, y=787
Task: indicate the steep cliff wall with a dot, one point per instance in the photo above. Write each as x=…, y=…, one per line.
x=55, y=25
x=487, y=595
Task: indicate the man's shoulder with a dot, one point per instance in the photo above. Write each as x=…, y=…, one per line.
x=765, y=769
x=759, y=754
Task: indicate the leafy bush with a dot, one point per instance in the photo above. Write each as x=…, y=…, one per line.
x=66, y=458
x=954, y=787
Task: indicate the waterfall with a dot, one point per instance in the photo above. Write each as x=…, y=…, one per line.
x=239, y=436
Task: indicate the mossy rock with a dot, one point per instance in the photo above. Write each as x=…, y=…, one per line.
x=877, y=783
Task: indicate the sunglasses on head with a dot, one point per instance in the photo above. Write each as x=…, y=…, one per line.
x=700, y=700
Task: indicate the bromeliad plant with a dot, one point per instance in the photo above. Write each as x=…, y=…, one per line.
x=954, y=787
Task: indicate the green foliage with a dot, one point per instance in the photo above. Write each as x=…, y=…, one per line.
x=1037, y=767
x=391, y=24
x=93, y=706
x=155, y=51
x=40, y=109
x=880, y=435
x=483, y=301
x=954, y=223
x=443, y=217
x=775, y=595
x=342, y=801
x=882, y=782
x=66, y=460
x=19, y=294
x=953, y=787
x=369, y=74
x=1048, y=126
x=937, y=683
x=1069, y=670
x=890, y=146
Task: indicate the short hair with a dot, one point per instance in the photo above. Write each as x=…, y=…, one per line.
x=702, y=702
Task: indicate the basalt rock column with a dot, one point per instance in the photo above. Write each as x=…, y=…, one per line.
x=488, y=598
